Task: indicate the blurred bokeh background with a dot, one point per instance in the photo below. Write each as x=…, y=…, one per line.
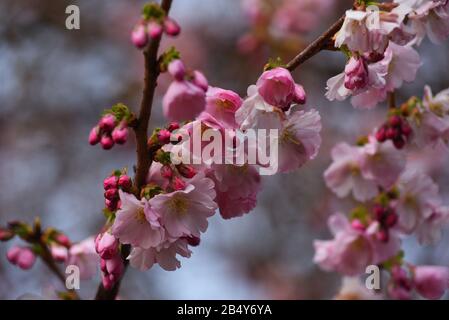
x=54, y=83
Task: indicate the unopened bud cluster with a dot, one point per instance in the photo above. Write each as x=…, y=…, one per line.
x=111, y=185
x=154, y=23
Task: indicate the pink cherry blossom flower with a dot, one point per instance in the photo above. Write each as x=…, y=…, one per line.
x=255, y=113
x=400, y=63
x=277, y=87
x=222, y=105
x=432, y=129
x=237, y=188
x=356, y=73
x=299, y=139
x=84, y=256
x=367, y=31
x=431, y=281
x=365, y=97
x=185, y=212
x=382, y=162
x=429, y=231
x=426, y=17
x=137, y=223
x=183, y=101
x=155, y=177
x=403, y=65
x=164, y=255
x=418, y=198
x=400, y=286
x=345, y=175
x=352, y=250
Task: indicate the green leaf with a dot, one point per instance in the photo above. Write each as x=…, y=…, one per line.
x=153, y=11
x=274, y=63
x=167, y=57
x=361, y=213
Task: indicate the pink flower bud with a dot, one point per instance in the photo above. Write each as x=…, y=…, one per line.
x=173, y=126
x=166, y=172
x=200, y=80
x=193, y=241
x=392, y=133
x=120, y=135
x=381, y=135
x=94, y=136
x=171, y=27
x=59, y=253
x=356, y=74
x=186, y=171
x=277, y=87
x=13, y=254
x=124, y=182
x=63, y=240
x=111, y=194
x=164, y=136
x=400, y=286
x=299, y=95
x=395, y=121
x=391, y=220
x=154, y=29
x=183, y=101
x=177, y=69
x=107, y=142
x=24, y=258
x=110, y=182
x=358, y=225
x=111, y=204
x=107, y=281
x=106, y=245
x=431, y=281
x=113, y=266
x=107, y=122
x=139, y=36
x=6, y=234
x=398, y=292
x=178, y=184
x=399, y=142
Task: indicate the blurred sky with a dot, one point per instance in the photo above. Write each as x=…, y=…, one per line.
x=54, y=83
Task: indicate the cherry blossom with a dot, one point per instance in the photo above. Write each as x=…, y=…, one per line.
x=137, y=223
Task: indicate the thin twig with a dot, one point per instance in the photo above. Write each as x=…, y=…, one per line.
x=392, y=100
x=321, y=43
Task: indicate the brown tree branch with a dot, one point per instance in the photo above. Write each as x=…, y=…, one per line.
x=391, y=100
x=144, y=160
x=321, y=43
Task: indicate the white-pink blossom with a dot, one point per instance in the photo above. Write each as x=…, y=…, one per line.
x=137, y=223
x=164, y=255
x=84, y=256
x=185, y=212
x=299, y=139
